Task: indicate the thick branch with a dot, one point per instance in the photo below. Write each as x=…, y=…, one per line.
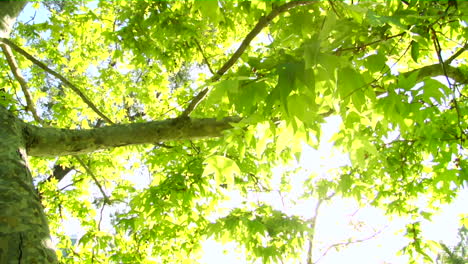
x=58, y=76
x=261, y=24
x=457, y=54
x=59, y=142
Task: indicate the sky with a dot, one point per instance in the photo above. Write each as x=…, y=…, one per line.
x=339, y=220
x=343, y=219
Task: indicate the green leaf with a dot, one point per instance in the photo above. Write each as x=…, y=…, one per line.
x=349, y=82
x=287, y=81
x=311, y=53
x=263, y=134
x=328, y=26
x=414, y=51
x=407, y=82
x=302, y=107
x=358, y=99
x=376, y=19
x=217, y=95
x=433, y=89
x=376, y=62
x=250, y=97
x=345, y=183
x=357, y=13
x=210, y=10
x=232, y=88
x=223, y=168
x=308, y=79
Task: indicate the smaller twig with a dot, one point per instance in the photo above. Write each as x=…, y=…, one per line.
x=11, y=81
x=451, y=86
x=370, y=43
x=58, y=76
x=328, y=113
x=162, y=145
x=88, y=170
x=32, y=18
x=204, y=56
x=19, y=77
x=330, y=2
x=100, y=216
x=66, y=186
x=381, y=75
x=313, y=224
x=396, y=62
x=438, y=50
x=336, y=245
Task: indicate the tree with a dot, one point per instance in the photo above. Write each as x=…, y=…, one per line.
x=458, y=254
x=87, y=98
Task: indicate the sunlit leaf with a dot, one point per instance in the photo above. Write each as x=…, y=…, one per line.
x=223, y=168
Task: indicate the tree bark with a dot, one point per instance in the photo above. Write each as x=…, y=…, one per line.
x=24, y=233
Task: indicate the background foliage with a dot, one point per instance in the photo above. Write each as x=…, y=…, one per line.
x=394, y=71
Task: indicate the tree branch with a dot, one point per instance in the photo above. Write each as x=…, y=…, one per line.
x=58, y=142
x=19, y=77
x=261, y=24
x=332, y=5
x=436, y=70
x=90, y=172
x=58, y=76
x=456, y=54
x=347, y=243
x=313, y=225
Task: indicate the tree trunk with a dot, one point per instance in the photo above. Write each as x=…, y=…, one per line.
x=9, y=11
x=24, y=233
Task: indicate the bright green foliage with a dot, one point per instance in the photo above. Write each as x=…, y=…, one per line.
x=268, y=234
x=372, y=63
